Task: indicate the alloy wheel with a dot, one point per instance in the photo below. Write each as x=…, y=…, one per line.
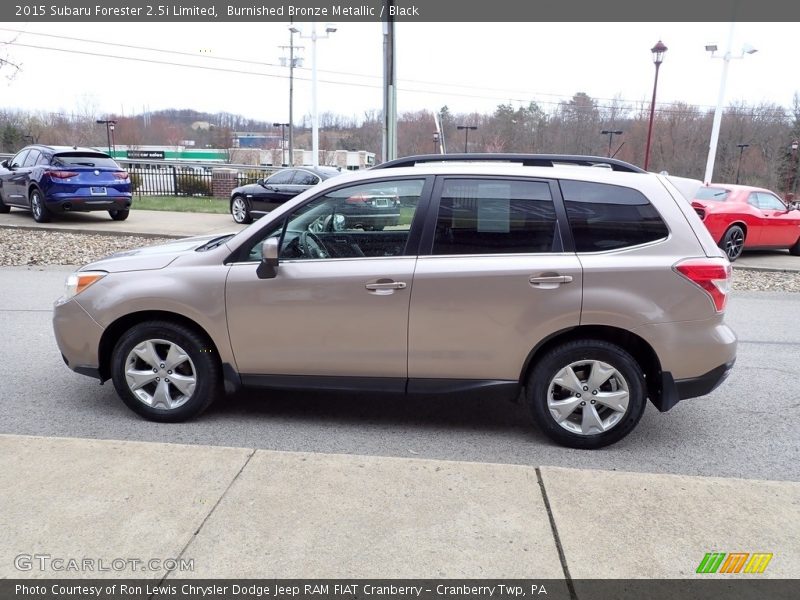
x=160, y=374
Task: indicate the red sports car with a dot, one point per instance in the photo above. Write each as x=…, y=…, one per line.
x=741, y=217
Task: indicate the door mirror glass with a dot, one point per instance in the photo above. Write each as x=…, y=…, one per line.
x=260, y=181
x=4, y=164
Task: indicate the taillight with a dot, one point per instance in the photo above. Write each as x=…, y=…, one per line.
x=712, y=275
x=62, y=174
x=120, y=175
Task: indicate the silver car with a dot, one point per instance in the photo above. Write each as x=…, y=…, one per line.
x=580, y=291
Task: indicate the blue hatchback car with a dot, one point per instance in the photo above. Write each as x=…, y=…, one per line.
x=48, y=180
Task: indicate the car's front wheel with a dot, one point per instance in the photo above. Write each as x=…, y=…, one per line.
x=240, y=210
x=40, y=212
x=795, y=250
x=4, y=208
x=119, y=214
x=165, y=372
x=586, y=394
x=733, y=242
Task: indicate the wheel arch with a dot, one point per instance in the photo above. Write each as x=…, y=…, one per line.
x=641, y=351
x=115, y=330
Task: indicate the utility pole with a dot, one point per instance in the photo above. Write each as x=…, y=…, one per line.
x=389, y=86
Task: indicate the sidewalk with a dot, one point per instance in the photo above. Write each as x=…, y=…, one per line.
x=240, y=512
x=153, y=223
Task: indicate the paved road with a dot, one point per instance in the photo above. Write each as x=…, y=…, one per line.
x=745, y=429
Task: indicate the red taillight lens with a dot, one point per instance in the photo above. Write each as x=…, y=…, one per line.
x=121, y=175
x=63, y=174
x=712, y=275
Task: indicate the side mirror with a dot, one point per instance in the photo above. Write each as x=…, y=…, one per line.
x=4, y=164
x=267, y=268
x=260, y=181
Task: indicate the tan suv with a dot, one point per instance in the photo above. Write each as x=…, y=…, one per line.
x=583, y=290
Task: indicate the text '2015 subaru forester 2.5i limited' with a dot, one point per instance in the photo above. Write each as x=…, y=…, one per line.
x=590, y=290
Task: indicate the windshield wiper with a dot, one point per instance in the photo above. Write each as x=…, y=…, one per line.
x=211, y=244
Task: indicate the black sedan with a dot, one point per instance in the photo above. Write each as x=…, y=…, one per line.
x=251, y=201
x=48, y=180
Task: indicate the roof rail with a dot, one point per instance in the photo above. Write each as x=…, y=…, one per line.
x=527, y=160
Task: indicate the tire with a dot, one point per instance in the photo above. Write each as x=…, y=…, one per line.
x=119, y=214
x=240, y=210
x=4, y=208
x=40, y=212
x=619, y=381
x=793, y=250
x=138, y=357
x=732, y=242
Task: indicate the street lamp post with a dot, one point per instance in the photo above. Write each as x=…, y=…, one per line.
x=726, y=59
x=113, y=144
x=610, y=133
x=329, y=29
x=466, y=129
x=658, y=57
x=293, y=62
x=283, y=127
x=791, y=172
x=109, y=123
x=739, y=162
x=435, y=142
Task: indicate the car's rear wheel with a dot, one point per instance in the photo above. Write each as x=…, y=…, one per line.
x=119, y=214
x=165, y=372
x=733, y=242
x=240, y=210
x=40, y=212
x=586, y=394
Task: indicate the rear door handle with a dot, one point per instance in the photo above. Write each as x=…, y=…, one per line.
x=551, y=279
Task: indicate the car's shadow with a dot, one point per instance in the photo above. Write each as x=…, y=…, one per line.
x=377, y=409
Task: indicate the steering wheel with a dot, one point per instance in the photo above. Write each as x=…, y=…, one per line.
x=311, y=246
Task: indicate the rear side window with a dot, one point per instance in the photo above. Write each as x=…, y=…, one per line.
x=495, y=216
x=84, y=159
x=305, y=178
x=608, y=217
x=31, y=159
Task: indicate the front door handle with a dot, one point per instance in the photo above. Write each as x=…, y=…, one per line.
x=385, y=285
x=551, y=279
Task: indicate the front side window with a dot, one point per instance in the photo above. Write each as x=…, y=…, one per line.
x=361, y=221
x=281, y=178
x=17, y=161
x=495, y=216
x=608, y=217
x=770, y=202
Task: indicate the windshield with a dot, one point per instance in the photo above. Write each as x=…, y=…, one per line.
x=712, y=193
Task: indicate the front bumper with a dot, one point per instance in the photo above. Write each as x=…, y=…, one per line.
x=78, y=337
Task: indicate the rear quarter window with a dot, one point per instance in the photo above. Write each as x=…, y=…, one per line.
x=608, y=217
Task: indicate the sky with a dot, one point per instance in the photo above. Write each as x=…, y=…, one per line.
x=470, y=67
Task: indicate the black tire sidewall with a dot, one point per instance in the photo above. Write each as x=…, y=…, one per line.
x=119, y=214
x=560, y=357
x=201, y=353
x=44, y=214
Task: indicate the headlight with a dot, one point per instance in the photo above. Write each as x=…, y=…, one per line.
x=77, y=282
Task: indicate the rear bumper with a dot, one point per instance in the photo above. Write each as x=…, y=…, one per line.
x=82, y=203
x=673, y=391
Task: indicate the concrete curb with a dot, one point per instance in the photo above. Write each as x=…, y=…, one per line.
x=114, y=233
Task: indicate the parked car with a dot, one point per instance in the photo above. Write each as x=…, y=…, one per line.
x=251, y=201
x=48, y=180
x=742, y=217
x=583, y=292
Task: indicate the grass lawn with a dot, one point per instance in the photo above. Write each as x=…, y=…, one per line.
x=182, y=204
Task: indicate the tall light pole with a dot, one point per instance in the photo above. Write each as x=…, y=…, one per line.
x=795, y=144
x=610, y=135
x=283, y=127
x=466, y=129
x=726, y=59
x=329, y=29
x=791, y=173
x=658, y=57
x=739, y=162
x=435, y=142
x=109, y=126
x=293, y=62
